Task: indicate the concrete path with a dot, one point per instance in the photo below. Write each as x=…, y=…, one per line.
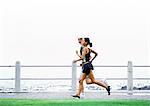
x=67, y=95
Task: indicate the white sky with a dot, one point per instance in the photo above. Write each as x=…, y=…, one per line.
x=46, y=31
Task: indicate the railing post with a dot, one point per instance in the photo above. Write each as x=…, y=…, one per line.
x=130, y=78
x=17, y=76
x=74, y=76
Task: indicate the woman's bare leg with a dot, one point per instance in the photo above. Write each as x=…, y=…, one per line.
x=100, y=83
x=83, y=76
x=83, y=87
x=88, y=81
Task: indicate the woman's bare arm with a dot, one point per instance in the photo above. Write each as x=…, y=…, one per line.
x=82, y=56
x=78, y=54
x=94, y=55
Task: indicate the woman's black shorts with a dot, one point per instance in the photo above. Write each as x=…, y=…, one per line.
x=87, y=67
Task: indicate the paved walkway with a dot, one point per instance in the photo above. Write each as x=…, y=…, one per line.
x=67, y=95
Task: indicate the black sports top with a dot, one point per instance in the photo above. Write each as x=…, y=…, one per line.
x=87, y=56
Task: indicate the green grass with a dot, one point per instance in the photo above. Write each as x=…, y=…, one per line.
x=35, y=102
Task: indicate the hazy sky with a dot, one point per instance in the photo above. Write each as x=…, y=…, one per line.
x=46, y=31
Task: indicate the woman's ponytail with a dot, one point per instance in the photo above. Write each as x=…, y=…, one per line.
x=88, y=41
x=90, y=44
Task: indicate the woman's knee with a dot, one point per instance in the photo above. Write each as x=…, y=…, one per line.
x=88, y=81
x=81, y=81
x=93, y=81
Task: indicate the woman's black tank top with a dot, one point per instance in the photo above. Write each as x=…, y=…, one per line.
x=87, y=56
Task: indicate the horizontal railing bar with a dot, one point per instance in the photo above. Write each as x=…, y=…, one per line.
x=6, y=66
x=109, y=66
x=119, y=91
x=125, y=91
x=64, y=66
x=37, y=78
x=39, y=66
x=123, y=78
x=71, y=66
x=140, y=66
x=71, y=78
x=46, y=78
x=7, y=78
x=46, y=66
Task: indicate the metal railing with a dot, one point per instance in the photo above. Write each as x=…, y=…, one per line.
x=129, y=78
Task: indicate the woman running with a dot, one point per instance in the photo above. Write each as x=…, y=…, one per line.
x=88, y=80
x=87, y=67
